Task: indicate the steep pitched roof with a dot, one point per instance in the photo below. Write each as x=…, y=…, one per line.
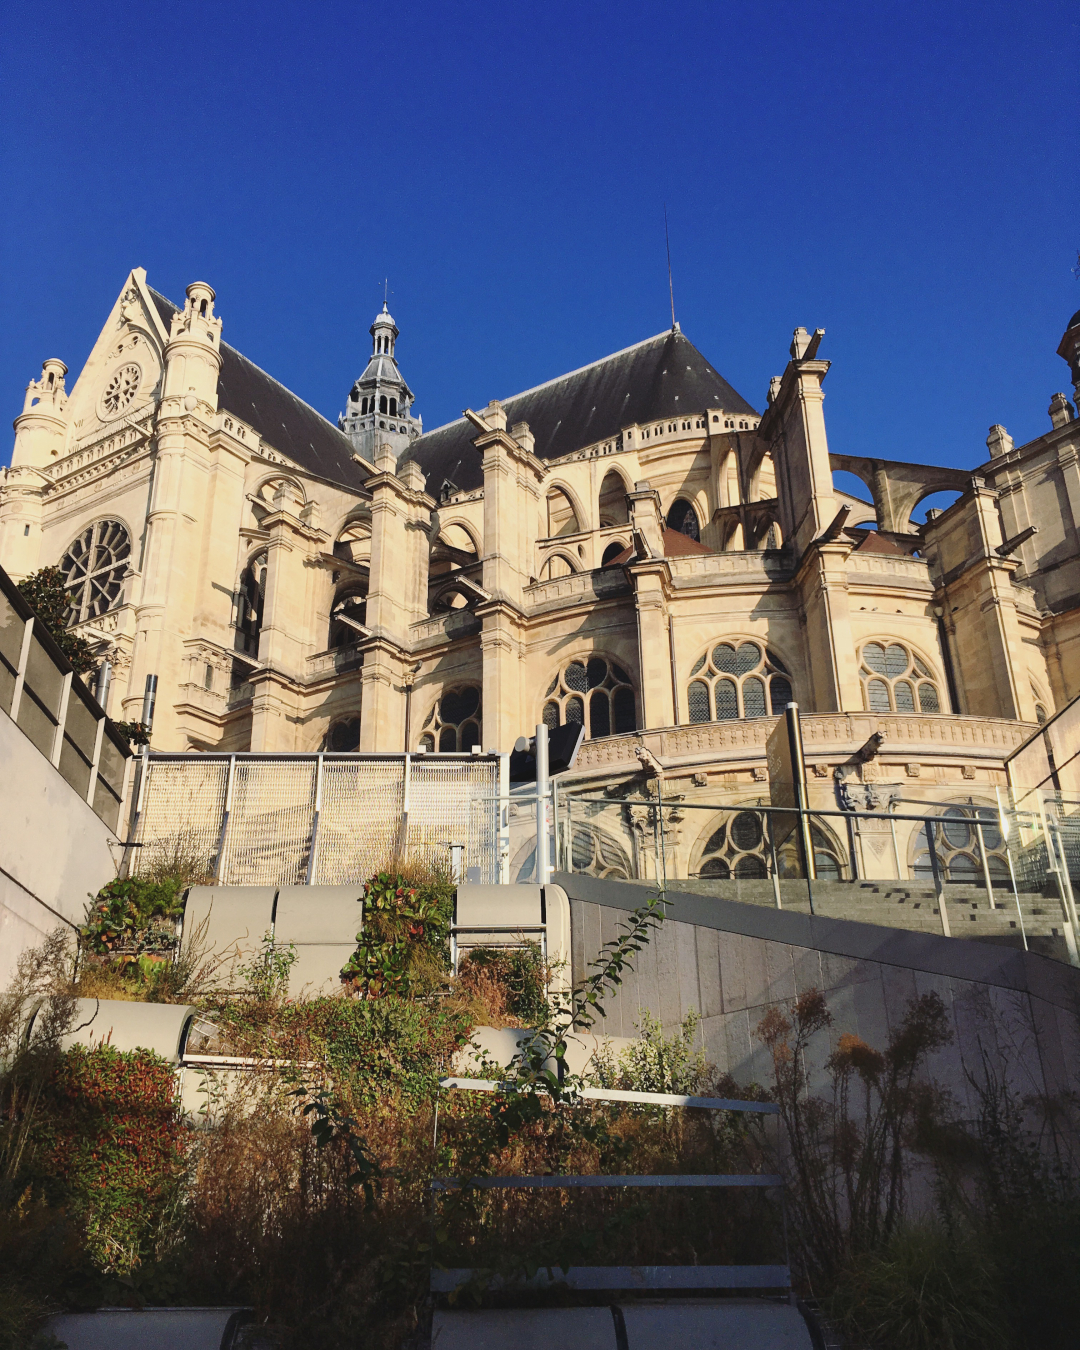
x=663, y=376
x=286, y=421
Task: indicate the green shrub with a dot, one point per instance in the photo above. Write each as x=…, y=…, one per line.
x=925, y=1289
x=510, y=983
x=109, y=1143
x=657, y=1063
x=133, y=917
x=403, y=946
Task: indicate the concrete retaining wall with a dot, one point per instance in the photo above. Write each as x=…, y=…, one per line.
x=53, y=849
x=731, y=962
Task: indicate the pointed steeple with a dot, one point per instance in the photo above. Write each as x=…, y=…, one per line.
x=380, y=402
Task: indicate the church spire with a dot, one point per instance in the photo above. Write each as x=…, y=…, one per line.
x=379, y=410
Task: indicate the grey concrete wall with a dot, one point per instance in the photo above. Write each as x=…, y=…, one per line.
x=731, y=962
x=53, y=849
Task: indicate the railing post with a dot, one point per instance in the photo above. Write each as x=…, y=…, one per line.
x=775, y=861
x=99, y=736
x=61, y=719
x=939, y=885
x=1060, y=868
x=985, y=863
x=20, y=674
x=313, y=847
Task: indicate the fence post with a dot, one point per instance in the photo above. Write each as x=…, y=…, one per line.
x=1060, y=867
x=313, y=848
x=543, y=870
x=226, y=811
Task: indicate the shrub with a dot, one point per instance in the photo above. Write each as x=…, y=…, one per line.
x=403, y=946
x=509, y=984
x=657, y=1063
x=133, y=917
x=925, y=1289
x=49, y=598
x=109, y=1142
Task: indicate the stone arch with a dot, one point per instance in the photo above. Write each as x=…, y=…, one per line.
x=684, y=516
x=564, y=511
x=612, y=551
x=551, y=568
x=611, y=502
x=897, y=488
x=267, y=487
x=763, y=481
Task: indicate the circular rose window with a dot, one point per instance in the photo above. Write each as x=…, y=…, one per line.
x=121, y=389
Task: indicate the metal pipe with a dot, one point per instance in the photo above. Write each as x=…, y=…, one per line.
x=313, y=848
x=103, y=683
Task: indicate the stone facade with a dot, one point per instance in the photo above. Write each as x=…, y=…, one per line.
x=631, y=544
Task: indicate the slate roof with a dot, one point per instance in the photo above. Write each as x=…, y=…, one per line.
x=285, y=421
x=663, y=376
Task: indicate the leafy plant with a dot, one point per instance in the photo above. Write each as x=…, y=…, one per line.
x=46, y=594
x=402, y=946
x=132, y=917
x=267, y=974
x=655, y=1062
x=510, y=984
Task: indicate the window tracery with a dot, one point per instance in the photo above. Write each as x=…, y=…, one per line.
x=453, y=724
x=94, y=569
x=894, y=679
x=737, y=679
x=121, y=389
x=739, y=848
x=955, y=841
x=595, y=693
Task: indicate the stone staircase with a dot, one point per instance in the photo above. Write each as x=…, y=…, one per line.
x=910, y=905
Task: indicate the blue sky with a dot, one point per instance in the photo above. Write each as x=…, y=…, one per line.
x=903, y=175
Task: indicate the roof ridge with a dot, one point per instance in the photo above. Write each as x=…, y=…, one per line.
x=569, y=374
x=272, y=378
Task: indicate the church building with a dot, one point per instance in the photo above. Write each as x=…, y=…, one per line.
x=632, y=546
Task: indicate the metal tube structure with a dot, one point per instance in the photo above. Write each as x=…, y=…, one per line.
x=543, y=869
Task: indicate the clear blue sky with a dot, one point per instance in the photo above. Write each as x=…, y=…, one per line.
x=903, y=175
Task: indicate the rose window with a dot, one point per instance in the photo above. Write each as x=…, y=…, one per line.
x=94, y=568
x=121, y=389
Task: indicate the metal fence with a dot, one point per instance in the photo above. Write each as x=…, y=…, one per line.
x=326, y=819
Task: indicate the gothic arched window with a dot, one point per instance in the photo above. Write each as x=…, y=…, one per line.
x=739, y=847
x=249, y=607
x=737, y=679
x=94, y=568
x=453, y=724
x=683, y=518
x=596, y=693
x=893, y=678
x=956, y=843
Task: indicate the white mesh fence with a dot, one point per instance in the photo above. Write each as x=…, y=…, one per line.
x=260, y=820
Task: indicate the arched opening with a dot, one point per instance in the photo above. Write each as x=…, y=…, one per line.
x=561, y=516
x=933, y=504
x=763, y=488
x=94, y=569
x=343, y=736
x=683, y=518
x=593, y=692
x=452, y=551
x=393, y=407
x=613, y=500
x=854, y=493
x=612, y=552
x=249, y=608
x=348, y=615
x=382, y=403
x=556, y=566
